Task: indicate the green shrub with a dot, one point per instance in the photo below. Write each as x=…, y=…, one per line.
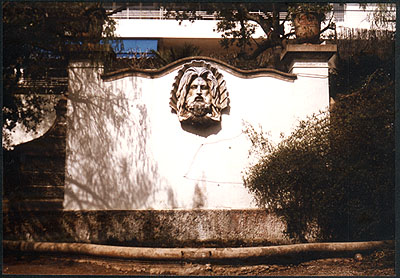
x=360, y=53
x=335, y=170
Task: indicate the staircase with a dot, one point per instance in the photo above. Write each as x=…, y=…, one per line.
x=34, y=171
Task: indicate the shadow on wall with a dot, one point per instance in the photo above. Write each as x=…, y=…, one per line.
x=200, y=194
x=108, y=166
x=205, y=131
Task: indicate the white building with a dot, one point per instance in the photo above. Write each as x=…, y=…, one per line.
x=145, y=26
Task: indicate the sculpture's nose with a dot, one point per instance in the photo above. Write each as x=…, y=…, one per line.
x=198, y=91
x=199, y=94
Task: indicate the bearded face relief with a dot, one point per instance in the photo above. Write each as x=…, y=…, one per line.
x=199, y=94
x=198, y=98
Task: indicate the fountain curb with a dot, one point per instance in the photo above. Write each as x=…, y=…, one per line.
x=332, y=249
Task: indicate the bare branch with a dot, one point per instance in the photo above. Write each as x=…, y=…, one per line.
x=121, y=8
x=264, y=46
x=327, y=26
x=264, y=24
x=289, y=34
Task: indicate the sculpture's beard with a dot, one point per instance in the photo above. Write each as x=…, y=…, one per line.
x=199, y=108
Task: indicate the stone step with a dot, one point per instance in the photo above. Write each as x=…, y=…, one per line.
x=43, y=146
x=37, y=178
x=40, y=163
x=33, y=205
x=37, y=192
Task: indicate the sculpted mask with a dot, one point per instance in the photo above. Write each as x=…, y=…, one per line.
x=199, y=94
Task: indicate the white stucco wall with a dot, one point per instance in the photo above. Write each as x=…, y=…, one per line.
x=126, y=149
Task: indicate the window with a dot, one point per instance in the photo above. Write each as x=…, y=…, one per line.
x=338, y=11
x=136, y=48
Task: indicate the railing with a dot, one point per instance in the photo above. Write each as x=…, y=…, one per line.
x=50, y=85
x=154, y=14
x=162, y=14
x=140, y=14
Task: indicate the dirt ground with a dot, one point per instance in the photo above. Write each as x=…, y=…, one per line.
x=378, y=263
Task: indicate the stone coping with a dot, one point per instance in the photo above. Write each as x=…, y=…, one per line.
x=155, y=73
x=308, y=52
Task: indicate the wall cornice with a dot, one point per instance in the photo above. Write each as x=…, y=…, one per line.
x=156, y=73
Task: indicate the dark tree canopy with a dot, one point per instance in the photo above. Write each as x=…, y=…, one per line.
x=360, y=53
x=37, y=42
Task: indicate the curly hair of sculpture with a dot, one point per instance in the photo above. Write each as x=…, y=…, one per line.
x=199, y=94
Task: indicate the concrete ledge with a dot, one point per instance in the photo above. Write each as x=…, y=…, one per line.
x=294, y=251
x=311, y=56
x=148, y=228
x=309, y=51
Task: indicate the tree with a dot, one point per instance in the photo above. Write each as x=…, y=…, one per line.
x=360, y=53
x=239, y=20
x=383, y=15
x=37, y=41
x=335, y=170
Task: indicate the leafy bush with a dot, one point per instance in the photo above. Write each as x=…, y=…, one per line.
x=335, y=170
x=360, y=53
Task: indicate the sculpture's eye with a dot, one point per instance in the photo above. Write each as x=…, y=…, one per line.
x=204, y=87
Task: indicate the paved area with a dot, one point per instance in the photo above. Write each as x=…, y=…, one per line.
x=378, y=263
